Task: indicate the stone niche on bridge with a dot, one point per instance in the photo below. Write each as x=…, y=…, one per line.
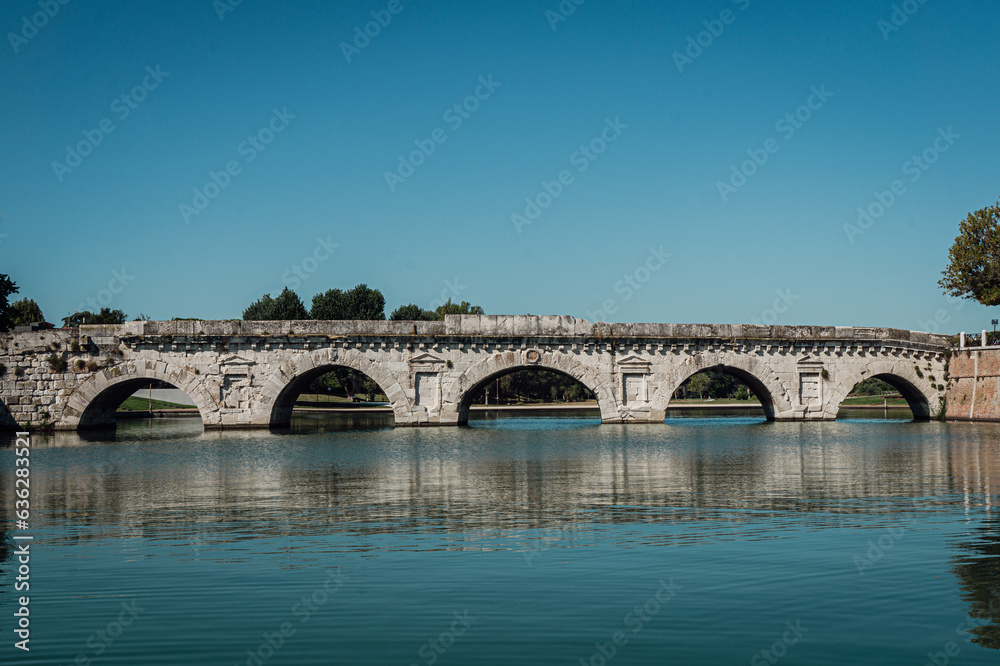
x=426, y=377
x=235, y=384
x=811, y=376
x=633, y=376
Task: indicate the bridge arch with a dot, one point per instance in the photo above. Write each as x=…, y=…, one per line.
x=96, y=400
x=462, y=390
x=901, y=374
x=277, y=395
x=749, y=369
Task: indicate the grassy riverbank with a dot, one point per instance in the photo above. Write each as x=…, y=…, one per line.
x=134, y=404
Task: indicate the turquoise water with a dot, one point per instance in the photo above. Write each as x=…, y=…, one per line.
x=542, y=540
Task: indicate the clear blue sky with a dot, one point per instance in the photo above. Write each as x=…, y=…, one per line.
x=885, y=96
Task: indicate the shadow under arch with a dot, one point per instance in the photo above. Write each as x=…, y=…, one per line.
x=95, y=402
x=283, y=386
x=284, y=404
x=915, y=399
x=919, y=391
x=762, y=381
x=751, y=381
x=470, y=395
x=464, y=388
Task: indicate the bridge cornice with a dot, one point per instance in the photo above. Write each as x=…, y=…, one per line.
x=556, y=329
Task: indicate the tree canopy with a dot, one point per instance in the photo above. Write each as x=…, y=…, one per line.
x=105, y=316
x=24, y=312
x=7, y=287
x=715, y=384
x=464, y=307
x=287, y=305
x=361, y=302
x=411, y=312
x=537, y=385
x=974, y=259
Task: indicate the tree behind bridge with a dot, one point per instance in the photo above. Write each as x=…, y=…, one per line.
x=24, y=312
x=287, y=305
x=7, y=287
x=412, y=312
x=462, y=308
x=359, y=303
x=105, y=316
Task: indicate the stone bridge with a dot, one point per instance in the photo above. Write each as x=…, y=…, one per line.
x=249, y=373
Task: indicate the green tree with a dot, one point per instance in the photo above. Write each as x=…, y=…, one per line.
x=872, y=386
x=536, y=385
x=974, y=259
x=361, y=302
x=78, y=318
x=287, y=305
x=714, y=383
x=7, y=287
x=331, y=304
x=342, y=381
x=700, y=384
x=412, y=312
x=108, y=316
x=464, y=307
x=24, y=312
x=105, y=316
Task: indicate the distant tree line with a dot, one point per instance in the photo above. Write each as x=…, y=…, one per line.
x=362, y=303
x=533, y=386
x=714, y=384
x=872, y=386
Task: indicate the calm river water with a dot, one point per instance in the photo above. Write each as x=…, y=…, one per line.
x=541, y=540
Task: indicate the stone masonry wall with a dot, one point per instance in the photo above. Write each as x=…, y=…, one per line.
x=246, y=373
x=974, y=391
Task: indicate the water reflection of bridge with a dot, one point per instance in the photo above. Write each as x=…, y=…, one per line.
x=608, y=476
x=418, y=483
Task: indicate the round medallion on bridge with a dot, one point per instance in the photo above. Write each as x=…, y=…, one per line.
x=533, y=356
